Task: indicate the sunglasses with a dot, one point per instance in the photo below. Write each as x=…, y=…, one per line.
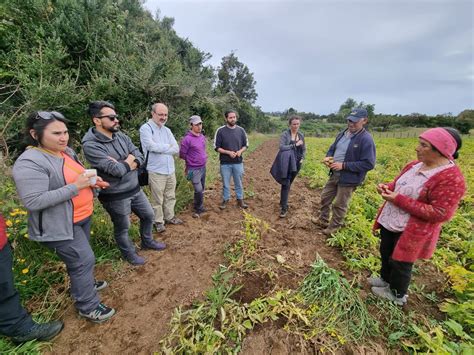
x=110, y=117
x=49, y=115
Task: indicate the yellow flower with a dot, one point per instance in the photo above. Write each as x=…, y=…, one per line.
x=25, y=235
x=8, y=223
x=92, y=232
x=24, y=282
x=25, y=270
x=22, y=260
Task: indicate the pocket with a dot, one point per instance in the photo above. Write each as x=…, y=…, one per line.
x=189, y=175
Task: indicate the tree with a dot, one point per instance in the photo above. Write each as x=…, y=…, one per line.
x=234, y=76
x=465, y=121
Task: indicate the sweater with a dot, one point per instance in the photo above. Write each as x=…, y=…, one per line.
x=286, y=144
x=232, y=139
x=435, y=205
x=359, y=159
x=41, y=186
x=193, y=151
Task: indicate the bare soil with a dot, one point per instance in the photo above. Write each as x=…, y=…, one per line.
x=146, y=296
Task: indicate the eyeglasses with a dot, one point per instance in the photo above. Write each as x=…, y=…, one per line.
x=110, y=117
x=49, y=115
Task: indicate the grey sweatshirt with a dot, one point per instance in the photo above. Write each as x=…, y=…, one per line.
x=108, y=155
x=40, y=183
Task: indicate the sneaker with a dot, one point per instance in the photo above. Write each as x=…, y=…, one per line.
x=377, y=282
x=196, y=215
x=100, y=314
x=160, y=227
x=40, y=332
x=174, y=220
x=385, y=292
x=100, y=284
x=283, y=212
x=153, y=244
x=223, y=204
x=242, y=204
x=136, y=260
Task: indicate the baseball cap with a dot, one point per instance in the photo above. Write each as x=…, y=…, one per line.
x=195, y=119
x=357, y=114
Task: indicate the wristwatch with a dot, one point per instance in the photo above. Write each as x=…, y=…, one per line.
x=137, y=161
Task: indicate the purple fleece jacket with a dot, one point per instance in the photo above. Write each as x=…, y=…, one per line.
x=193, y=151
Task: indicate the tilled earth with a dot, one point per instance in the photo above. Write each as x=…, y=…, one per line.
x=146, y=296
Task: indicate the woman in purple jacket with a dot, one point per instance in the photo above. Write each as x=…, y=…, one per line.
x=193, y=152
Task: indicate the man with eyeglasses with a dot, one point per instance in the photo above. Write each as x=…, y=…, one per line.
x=116, y=159
x=158, y=141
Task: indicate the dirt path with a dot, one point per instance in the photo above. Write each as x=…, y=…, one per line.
x=146, y=296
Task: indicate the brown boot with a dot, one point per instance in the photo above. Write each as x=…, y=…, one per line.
x=242, y=204
x=320, y=222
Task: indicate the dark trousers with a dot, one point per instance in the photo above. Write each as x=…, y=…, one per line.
x=285, y=188
x=14, y=319
x=198, y=179
x=396, y=273
x=79, y=258
x=119, y=212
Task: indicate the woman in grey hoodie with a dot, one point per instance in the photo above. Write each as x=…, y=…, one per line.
x=57, y=192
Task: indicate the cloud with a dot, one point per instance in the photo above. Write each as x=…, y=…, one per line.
x=403, y=56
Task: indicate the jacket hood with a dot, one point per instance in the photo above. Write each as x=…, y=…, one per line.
x=93, y=135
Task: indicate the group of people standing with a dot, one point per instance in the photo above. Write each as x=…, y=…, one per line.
x=58, y=193
x=425, y=195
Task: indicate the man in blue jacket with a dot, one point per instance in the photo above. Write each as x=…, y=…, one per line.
x=349, y=158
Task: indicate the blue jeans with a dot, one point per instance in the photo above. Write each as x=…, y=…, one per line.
x=79, y=258
x=237, y=173
x=14, y=319
x=119, y=212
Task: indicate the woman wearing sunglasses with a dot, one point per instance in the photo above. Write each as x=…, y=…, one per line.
x=57, y=192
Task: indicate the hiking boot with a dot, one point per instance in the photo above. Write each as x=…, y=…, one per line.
x=223, y=204
x=174, y=220
x=153, y=245
x=330, y=230
x=320, y=222
x=242, y=204
x=100, y=284
x=100, y=314
x=160, y=227
x=283, y=212
x=40, y=332
x=377, y=282
x=136, y=260
x=197, y=214
x=385, y=292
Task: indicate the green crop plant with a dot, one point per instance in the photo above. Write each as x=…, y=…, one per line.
x=335, y=305
x=240, y=253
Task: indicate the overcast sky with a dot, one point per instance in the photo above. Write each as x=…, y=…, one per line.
x=403, y=56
